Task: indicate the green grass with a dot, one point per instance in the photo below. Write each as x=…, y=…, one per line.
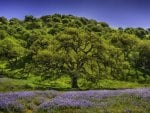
x=111, y=84
x=35, y=83
x=32, y=83
x=7, y=84
x=118, y=84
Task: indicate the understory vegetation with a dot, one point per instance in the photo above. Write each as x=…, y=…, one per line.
x=87, y=53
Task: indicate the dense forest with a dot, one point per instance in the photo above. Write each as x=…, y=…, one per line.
x=57, y=45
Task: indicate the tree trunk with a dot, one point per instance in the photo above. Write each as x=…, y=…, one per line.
x=74, y=81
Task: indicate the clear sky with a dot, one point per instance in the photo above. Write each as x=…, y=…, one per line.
x=117, y=13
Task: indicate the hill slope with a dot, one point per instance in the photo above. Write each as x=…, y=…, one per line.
x=57, y=45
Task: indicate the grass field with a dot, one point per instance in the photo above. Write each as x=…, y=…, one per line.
x=34, y=83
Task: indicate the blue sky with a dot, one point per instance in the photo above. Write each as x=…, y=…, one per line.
x=117, y=13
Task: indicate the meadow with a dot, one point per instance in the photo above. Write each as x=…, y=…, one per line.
x=90, y=101
x=28, y=96
x=63, y=84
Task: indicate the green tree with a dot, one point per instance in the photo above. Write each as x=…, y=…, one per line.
x=11, y=50
x=144, y=58
x=29, y=18
x=14, y=21
x=72, y=51
x=3, y=20
x=3, y=34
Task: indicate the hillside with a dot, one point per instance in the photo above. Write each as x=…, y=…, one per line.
x=82, y=50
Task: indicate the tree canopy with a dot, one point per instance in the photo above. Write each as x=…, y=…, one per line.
x=64, y=45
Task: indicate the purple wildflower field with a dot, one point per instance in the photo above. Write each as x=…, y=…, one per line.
x=19, y=102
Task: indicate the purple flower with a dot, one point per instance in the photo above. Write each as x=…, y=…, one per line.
x=13, y=106
x=46, y=100
x=60, y=102
x=12, y=101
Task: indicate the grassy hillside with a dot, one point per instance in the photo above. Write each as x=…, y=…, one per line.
x=66, y=51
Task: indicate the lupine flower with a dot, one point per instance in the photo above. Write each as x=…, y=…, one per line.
x=65, y=103
x=14, y=106
x=45, y=100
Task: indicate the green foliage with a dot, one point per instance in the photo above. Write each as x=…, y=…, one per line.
x=57, y=45
x=11, y=48
x=29, y=18
x=3, y=34
x=144, y=57
x=14, y=21
x=3, y=20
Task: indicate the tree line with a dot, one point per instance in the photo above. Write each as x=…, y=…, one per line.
x=65, y=45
